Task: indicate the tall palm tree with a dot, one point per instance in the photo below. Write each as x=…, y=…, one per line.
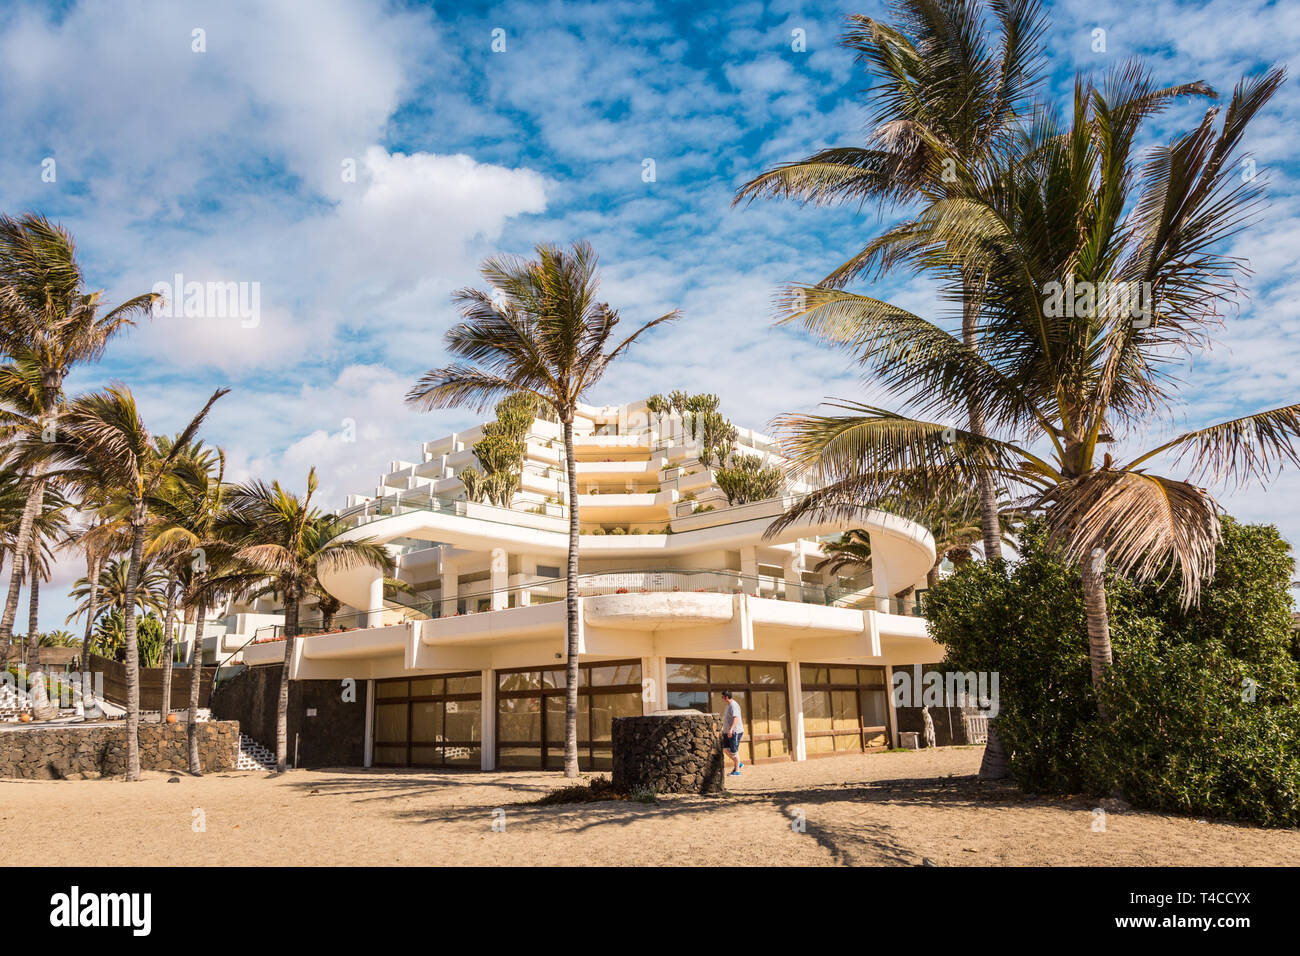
x=110, y=589
x=548, y=336
x=51, y=321
x=13, y=498
x=104, y=441
x=1060, y=381
x=22, y=405
x=184, y=510
x=949, y=102
x=50, y=532
x=286, y=543
x=187, y=508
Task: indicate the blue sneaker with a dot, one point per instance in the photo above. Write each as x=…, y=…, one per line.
x=742, y=764
x=734, y=773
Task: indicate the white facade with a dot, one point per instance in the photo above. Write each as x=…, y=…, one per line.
x=669, y=573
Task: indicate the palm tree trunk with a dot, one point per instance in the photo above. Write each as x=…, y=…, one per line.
x=42, y=707
x=34, y=603
x=282, y=707
x=167, y=647
x=1094, y=603
x=22, y=548
x=571, y=610
x=932, y=576
x=196, y=677
x=988, y=494
x=326, y=618
x=92, y=576
x=132, y=647
x=994, y=765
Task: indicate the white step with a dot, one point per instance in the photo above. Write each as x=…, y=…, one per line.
x=253, y=756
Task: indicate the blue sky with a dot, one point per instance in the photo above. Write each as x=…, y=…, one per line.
x=226, y=165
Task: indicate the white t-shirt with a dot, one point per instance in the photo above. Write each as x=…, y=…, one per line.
x=733, y=710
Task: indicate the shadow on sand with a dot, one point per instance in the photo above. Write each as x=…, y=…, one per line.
x=849, y=834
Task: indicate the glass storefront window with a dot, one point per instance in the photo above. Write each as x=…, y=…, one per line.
x=542, y=706
x=519, y=680
x=426, y=721
x=758, y=687
x=813, y=675
x=417, y=724
x=427, y=686
x=846, y=709
x=727, y=674
x=472, y=684
x=687, y=672
x=689, y=700
x=463, y=720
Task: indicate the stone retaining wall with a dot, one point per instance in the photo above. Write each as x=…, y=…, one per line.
x=88, y=751
x=668, y=753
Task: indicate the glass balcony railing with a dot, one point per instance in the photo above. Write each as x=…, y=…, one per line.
x=404, y=608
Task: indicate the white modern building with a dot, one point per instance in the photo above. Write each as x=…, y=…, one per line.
x=683, y=595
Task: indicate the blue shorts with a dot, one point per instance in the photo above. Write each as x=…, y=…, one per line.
x=732, y=741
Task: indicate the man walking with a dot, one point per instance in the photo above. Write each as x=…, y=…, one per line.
x=733, y=728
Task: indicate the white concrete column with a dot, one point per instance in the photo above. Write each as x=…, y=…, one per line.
x=654, y=684
x=749, y=569
x=488, y=722
x=499, y=578
x=880, y=584
x=793, y=576
x=795, y=682
x=527, y=574
x=369, y=752
x=375, y=612
x=450, y=587
x=893, y=711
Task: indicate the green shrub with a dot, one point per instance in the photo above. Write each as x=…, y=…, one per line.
x=1184, y=736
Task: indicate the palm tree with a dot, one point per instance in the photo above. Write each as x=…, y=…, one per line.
x=13, y=498
x=53, y=323
x=110, y=589
x=184, y=511
x=50, y=531
x=60, y=639
x=1060, y=381
x=949, y=104
x=188, y=508
x=104, y=442
x=546, y=336
x=851, y=551
x=22, y=400
x=286, y=543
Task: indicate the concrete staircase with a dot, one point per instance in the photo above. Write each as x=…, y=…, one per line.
x=253, y=756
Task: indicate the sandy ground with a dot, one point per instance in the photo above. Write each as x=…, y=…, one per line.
x=889, y=808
